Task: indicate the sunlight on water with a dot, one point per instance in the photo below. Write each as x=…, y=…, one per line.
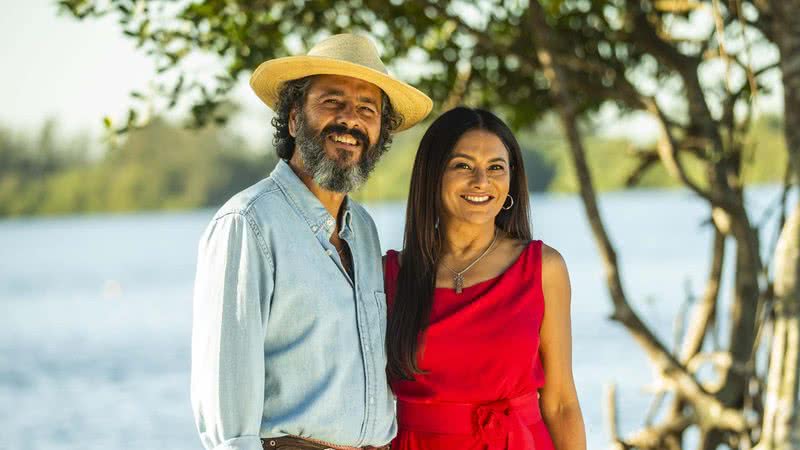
x=95, y=330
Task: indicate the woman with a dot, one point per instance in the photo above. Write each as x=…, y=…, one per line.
x=478, y=339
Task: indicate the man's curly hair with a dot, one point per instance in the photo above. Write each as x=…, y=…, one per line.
x=293, y=95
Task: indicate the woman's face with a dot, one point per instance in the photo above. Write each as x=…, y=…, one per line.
x=476, y=179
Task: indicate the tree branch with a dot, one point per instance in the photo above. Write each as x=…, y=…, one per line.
x=672, y=370
x=667, y=151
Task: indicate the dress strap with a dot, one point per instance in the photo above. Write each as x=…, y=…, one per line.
x=536, y=259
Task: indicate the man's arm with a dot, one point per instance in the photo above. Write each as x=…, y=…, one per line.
x=232, y=294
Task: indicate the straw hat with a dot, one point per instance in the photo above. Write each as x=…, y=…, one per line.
x=342, y=54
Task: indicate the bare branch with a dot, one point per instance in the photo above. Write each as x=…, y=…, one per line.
x=647, y=158
x=667, y=151
x=657, y=437
x=683, y=381
x=612, y=419
x=705, y=310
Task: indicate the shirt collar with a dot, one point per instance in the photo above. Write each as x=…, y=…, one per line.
x=307, y=204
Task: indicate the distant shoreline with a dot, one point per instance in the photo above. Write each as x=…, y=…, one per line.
x=209, y=210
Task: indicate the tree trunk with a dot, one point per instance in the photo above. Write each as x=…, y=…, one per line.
x=786, y=31
x=712, y=413
x=781, y=427
x=718, y=415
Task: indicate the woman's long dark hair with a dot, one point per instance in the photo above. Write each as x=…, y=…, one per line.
x=421, y=243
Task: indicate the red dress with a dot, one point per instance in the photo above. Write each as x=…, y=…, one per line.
x=481, y=355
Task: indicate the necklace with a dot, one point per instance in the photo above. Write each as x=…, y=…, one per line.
x=458, y=277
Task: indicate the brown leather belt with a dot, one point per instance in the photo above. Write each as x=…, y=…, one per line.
x=296, y=443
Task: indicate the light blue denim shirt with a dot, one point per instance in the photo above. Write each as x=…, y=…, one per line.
x=284, y=342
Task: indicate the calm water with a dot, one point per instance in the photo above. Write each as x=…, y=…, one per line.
x=95, y=324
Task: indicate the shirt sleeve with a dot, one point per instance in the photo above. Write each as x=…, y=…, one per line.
x=232, y=293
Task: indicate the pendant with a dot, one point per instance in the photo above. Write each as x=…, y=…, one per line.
x=458, y=280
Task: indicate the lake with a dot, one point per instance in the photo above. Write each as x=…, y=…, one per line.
x=95, y=328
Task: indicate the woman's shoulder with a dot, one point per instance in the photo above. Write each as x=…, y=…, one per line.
x=546, y=257
x=554, y=267
x=392, y=258
x=392, y=253
x=551, y=256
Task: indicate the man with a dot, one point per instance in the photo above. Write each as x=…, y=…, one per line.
x=289, y=311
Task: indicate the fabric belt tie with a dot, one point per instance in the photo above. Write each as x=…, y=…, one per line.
x=503, y=424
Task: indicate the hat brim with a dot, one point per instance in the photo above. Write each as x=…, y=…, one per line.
x=406, y=100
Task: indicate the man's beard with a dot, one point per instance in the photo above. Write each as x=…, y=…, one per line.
x=335, y=174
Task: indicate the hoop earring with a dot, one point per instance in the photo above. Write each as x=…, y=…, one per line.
x=506, y=208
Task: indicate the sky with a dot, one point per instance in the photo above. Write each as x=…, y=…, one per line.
x=78, y=72
x=75, y=72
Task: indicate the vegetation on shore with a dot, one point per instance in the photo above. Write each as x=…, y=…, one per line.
x=166, y=166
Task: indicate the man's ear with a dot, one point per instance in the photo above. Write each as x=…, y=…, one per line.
x=293, y=122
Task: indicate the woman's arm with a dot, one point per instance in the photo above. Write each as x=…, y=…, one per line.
x=559, y=400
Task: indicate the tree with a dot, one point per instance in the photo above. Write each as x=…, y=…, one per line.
x=157, y=166
x=694, y=66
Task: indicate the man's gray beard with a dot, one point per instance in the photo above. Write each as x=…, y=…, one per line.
x=329, y=173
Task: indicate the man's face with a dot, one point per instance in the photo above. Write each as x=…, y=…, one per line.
x=337, y=131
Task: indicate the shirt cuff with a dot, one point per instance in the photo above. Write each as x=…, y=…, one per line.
x=241, y=443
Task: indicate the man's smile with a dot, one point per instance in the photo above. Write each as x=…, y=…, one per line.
x=346, y=139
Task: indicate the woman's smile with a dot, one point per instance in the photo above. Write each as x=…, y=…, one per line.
x=477, y=199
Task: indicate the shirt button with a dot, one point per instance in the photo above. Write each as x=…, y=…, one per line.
x=371, y=400
x=328, y=252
